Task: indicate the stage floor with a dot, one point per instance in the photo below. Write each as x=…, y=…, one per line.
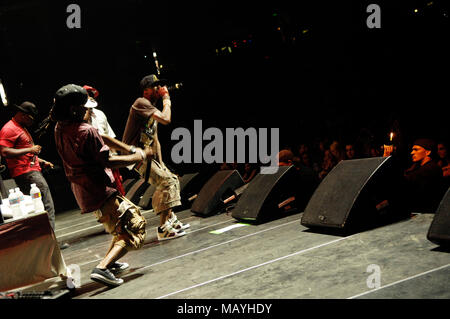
x=221, y=258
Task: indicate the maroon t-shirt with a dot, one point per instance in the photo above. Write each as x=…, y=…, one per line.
x=140, y=112
x=84, y=155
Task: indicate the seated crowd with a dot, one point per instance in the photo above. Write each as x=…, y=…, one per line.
x=426, y=164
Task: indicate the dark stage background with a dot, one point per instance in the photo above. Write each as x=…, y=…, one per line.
x=324, y=73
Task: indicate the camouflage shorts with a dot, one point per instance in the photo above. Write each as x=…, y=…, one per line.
x=167, y=193
x=122, y=219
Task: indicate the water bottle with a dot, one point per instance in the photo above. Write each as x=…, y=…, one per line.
x=19, y=193
x=14, y=203
x=21, y=200
x=35, y=194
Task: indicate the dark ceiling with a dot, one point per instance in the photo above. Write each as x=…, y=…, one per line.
x=322, y=73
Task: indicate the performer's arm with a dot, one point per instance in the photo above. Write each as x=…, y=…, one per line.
x=165, y=116
x=45, y=163
x=117, y=161
x=8, y=152
x=116, y=144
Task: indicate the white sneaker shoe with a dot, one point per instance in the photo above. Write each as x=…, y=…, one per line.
x=177, y=225
x=166, y=232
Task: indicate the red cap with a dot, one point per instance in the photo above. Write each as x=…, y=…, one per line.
x=91, y=91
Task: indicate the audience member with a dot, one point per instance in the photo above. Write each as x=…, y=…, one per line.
x=350, y=151
x=285, y=157
x=374, y=151
x=302, y=149
x=317, y=153
x=424, y=179
x=329, y=161
x=307, y=178
x=250, y=171
x=443, y=160
x=337, y=151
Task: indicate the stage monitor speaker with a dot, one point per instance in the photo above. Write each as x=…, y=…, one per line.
x=191, y=184
x=357, y=194
x=272, y=196
x=439, y=231
x=135, y=192
x=220, y=186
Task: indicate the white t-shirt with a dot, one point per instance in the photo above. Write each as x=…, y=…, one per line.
x=100, y=122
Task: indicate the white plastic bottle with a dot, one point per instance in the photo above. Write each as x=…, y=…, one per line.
x=19, y=193
x=35, y=194
x=21, y=200
x=14, y=203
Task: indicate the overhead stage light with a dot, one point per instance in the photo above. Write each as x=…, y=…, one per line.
x=3, y=94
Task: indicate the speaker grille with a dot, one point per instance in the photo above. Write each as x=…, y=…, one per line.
x=256, y=195
x=333, y=200
x=210, y=199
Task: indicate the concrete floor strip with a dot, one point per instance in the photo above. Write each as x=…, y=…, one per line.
x=216, y=245
x=107, y=243
x=254, y=267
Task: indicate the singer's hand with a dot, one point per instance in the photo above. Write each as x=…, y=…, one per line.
x=47, y=164
x=163, y=91
x=36, y=149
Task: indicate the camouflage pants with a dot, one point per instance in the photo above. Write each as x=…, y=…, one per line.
x=167, y=193
x=122, y=219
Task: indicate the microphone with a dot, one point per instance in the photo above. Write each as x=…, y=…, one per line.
x=43, y=126
x=33, y=161
x=174, y=87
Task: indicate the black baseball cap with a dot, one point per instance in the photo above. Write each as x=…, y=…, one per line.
x=426, y=143
x=27, y=108
x=151, y=81
x=71, y=94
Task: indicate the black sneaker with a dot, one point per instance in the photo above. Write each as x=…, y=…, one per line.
x=118, y=267
x=105, y=276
